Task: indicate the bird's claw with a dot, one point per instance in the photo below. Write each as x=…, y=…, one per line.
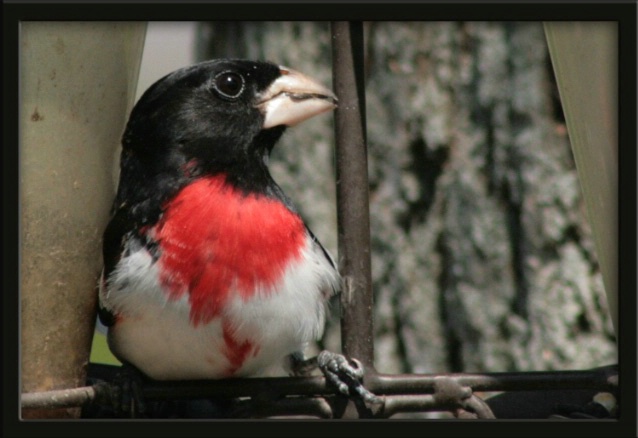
x=345, y=375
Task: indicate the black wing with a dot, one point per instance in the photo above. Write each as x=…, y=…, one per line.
x=112, y=246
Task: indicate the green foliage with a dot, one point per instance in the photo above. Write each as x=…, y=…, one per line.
x=100, y=352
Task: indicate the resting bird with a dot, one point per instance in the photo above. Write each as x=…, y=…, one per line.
x=209, y=270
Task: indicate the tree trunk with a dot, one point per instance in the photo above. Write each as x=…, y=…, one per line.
x=482, y=256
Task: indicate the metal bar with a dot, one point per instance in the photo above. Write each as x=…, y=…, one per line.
x=603, y=379
x=237, y=387
x=409, y=403
x=352, y=192
x=63, y=398
x=428, y=403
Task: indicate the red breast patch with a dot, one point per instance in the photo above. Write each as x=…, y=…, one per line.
x=214, y=239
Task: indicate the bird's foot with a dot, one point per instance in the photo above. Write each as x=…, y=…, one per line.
x=346, y=375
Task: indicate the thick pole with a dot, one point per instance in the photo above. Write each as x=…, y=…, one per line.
x=77, y=83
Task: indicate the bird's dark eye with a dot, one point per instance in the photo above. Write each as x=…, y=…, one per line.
x=229, y=85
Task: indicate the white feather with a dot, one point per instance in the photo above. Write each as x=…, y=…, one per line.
x=156, y=335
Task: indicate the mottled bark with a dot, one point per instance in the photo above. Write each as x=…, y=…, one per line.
x=482, y=256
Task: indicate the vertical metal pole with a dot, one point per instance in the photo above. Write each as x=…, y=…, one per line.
x=352, y=192
x=77, y=85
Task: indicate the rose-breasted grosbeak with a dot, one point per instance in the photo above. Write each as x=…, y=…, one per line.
x=209, y=271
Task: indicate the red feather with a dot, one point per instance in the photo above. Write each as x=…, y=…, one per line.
x=215, y=239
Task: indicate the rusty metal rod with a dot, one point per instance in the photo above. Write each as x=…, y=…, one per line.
x=603, y=379
x=352, y=192
x=396, y=404
x=238, y=387
x=63, y=398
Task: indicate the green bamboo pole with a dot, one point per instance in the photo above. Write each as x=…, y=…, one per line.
x=585, y=60
x=77, y=85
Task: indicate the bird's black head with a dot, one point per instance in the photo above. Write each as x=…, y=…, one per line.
x=207, y=108
x=217, y=116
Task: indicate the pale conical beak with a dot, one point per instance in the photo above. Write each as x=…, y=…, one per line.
x=293, y=98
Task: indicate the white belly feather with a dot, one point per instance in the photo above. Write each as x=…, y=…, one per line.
x=156, y=334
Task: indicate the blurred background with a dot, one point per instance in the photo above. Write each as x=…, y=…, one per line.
x=483, y=258
x=169, y=45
